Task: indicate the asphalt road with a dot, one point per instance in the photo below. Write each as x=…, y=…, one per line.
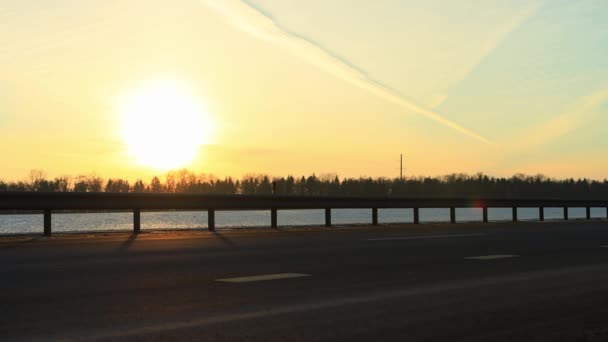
x=467, y=282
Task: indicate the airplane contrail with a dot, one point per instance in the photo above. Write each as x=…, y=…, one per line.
x=581, y=112
x=260, y=25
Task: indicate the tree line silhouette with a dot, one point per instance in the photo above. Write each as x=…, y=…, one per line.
x=454, y=185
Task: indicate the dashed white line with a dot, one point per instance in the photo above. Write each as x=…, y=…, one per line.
x=377, y=297
x=492, y=257
x=263, y=277
x=423, y=237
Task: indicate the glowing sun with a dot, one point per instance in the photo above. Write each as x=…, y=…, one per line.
x=164, y=124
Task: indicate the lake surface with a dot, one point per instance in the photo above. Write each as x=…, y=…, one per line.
x=87, y=222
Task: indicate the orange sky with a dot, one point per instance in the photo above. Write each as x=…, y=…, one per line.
x=288, y=87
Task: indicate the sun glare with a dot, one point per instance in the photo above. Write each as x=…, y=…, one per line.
x=164, y=124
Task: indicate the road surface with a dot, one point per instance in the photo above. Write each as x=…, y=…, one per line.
x=467, y=282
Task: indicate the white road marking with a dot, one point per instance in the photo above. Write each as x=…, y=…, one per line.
x=423, y=237
x=604, y=246
x=493, y=257
x=376, y=297
x=263, y=277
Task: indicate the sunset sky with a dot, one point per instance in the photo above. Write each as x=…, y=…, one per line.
x=295, y=87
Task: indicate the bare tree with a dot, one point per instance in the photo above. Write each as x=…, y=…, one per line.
x=35, y=179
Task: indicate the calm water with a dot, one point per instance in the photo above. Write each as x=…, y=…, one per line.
x=28, y=223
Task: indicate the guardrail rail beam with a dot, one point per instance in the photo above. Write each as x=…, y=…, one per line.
x=135, y=202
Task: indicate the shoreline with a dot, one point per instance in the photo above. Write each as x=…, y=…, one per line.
x=185, y=233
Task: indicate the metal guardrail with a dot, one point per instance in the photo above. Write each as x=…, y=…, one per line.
x=47, y=202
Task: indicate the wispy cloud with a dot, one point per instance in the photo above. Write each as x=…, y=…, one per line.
x=581, y=112
x=255, y=22
x=495, y=40
x=527, y=151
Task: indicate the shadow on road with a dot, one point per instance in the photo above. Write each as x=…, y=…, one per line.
x=127, y=244
x=224, y=239
x=17, y=243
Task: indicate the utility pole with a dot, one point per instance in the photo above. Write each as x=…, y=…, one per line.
x=401, y=168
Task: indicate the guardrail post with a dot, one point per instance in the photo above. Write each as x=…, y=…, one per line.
x=327, y=217
x=136, y=221
x=416, y=216
x=514, y=214
x=273, y=217
x=541, y=214
x=606, y=213
x=588, y=213
x=375, y=216
x=211, y=220
x=565, y=213
x=47, y=222
x=453, y=215
x=485, y=214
